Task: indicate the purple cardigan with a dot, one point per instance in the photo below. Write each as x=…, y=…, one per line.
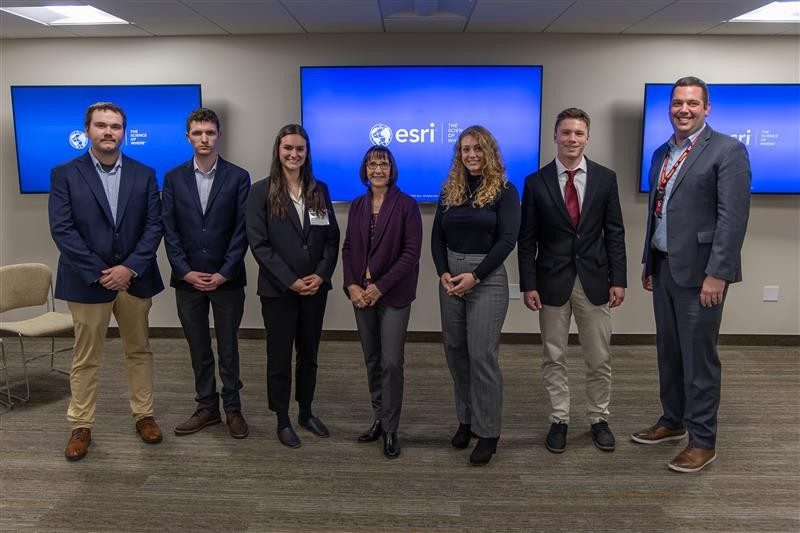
x=394, y=261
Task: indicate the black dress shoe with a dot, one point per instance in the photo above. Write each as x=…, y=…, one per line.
x=556, y=440
x=373, y=433
x=288, y=437
x=602, y=436
x=391, y=445
x=315, y=426
x=462, y=436
x=483, y=451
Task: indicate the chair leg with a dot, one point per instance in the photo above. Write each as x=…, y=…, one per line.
x=25, y=370
x=10, y=402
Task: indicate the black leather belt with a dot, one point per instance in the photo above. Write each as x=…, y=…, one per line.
x=659, y=254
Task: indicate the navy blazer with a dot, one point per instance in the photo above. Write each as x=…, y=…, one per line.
x=707, y=211
x=214, y=241
x=552, y=251
x=393, y=258
x=286, y=251
x=87, y=237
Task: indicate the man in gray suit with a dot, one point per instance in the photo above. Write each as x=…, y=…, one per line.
x=697, y=218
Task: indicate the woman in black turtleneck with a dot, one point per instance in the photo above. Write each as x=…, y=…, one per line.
x=474, y=230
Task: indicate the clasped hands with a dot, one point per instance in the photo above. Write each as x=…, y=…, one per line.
x=203, y=281
x=116, y=278
x=361, y=297
x=458, y=285
x=307, y=285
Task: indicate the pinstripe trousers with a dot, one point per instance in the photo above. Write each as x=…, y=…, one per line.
x=471, y=333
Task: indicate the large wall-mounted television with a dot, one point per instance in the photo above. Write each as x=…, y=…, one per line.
x=765, y=117
x=49, y=130
x=418, y=112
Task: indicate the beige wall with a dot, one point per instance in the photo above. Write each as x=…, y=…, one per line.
x=254, y=83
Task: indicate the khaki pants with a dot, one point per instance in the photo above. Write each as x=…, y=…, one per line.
x=91, y=324
x=594, y=331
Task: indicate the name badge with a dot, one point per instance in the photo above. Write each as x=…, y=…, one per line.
x=318, y=219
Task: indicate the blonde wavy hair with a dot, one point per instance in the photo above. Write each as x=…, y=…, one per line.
x=454, y=190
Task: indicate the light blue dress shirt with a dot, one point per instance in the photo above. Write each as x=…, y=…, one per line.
x=110, y=181
x=659, y=239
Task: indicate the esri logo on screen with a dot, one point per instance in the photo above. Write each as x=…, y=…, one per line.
x=381, y=134
x=77, y=139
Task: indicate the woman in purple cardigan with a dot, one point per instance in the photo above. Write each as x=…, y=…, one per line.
x=380, y=257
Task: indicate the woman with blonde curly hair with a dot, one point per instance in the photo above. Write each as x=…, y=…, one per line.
x=474, y=230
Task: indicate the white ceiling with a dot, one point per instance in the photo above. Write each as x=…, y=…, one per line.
x=239, y=17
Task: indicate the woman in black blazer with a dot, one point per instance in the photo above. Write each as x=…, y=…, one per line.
x=294, y=238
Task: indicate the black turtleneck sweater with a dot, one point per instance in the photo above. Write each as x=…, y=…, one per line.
x=490, y=230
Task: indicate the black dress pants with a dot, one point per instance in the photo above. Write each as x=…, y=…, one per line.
x=292, y=321
x=227, y=307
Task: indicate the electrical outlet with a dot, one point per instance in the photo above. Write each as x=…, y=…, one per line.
x=771, y=293
x=513, y=291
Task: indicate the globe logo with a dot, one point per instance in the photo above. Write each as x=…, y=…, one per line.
x=380, y=135
x=78, y=140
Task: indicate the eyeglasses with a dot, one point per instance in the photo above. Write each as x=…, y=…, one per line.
x=383, y=165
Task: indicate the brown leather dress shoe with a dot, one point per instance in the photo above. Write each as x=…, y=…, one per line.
x=692, y=459
x=237, y=426
x=148, y=430
x=78, y=444
x=658, y=433
x=200, y=419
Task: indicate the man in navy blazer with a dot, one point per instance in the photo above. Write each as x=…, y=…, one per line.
x=105, y=219
x=204, y=234
x=696, y=222
x=572, y=263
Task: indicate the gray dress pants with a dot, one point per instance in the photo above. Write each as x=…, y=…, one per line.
x=471, y=333
x=382, y=330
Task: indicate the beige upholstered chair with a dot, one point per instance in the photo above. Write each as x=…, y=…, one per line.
x=26, y=285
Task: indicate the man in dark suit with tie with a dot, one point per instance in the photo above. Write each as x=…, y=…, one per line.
x=105, y=219
x=572, y=263
x=697, y=218
x=204, y=234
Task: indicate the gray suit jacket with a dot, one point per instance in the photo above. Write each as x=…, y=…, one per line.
x=707, y=211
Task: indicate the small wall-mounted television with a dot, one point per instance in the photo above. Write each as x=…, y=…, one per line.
x=49, y=126
x=418, y=112
x=765, y=117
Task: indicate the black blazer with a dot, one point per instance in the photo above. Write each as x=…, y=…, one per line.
x=552, y=251
x=214, y=241
x=283, y=249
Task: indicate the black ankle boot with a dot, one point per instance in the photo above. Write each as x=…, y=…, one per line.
x=483, y=451
x=462, y=436
x=391, y=445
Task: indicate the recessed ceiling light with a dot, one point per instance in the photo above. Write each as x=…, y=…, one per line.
x=774, y=12
x=65, y=15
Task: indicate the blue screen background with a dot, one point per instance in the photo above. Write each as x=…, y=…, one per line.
x=342, y=104
x=45, y=116
x=765, y=117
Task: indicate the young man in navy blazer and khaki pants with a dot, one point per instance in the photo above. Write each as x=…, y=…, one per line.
x=105, y=218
